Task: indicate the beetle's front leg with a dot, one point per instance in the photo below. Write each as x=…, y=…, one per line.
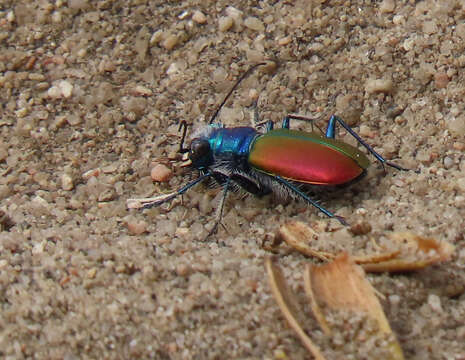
x=145, y=203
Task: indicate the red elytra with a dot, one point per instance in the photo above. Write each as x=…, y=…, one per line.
x=307, y=157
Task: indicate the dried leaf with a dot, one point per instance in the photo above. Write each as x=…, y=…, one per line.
x=299, y=236
x=408, y=252
x=341, y=285
x=288, y=305
x=416, y=252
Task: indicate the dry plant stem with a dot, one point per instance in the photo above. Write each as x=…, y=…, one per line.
x=407, y=251
x=313, y=302
x=299, y=236
x=287, y=304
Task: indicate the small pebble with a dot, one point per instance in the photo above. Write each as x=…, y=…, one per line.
x=398, y=19
x=435, y=302
x=448, y=162
x=56, y=17
x=91, y=173
x=142, y=91
x=54, y=92
x=107, y=195
x=21, y=112
x=36, y=77
x=387, y=6
x=67, y=182
x=136, y=227
x=91, y=273
x=374, y=86
x=456, y=125
x=170, y=42
x=254, y=94
x=254, y=24
x=394, y=299
x=199, y=17
x=284, y=41
x=461, y=184
x=161, y=173
x=234, y=13
x=66, y=88
x=106, y=66
x=10, y=17
x=225, y=23
x=157, y=37
x=365, y=131
x=182, y=270
x=441, y=80
x=430, y=27
x=360, y=228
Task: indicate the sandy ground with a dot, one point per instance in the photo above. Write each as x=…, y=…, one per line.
x=91, y=96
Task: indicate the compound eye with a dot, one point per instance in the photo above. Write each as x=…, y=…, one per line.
x=199, y=149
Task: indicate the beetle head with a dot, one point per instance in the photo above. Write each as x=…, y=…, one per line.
x=200, y=153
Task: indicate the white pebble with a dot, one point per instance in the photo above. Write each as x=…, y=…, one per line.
x=448, y=162
x=10, y=17
x=387, y=6
x=435, y=303
x=225, y=23
x=54, y=92
x=170, y=42
x=254, y=24
x=142, y=91
x=378, y=86
x=456, y=125
x=199, y=17
x=236, y=14
x=66, y=88
x=67, y=182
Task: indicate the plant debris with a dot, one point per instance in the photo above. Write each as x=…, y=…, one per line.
x=404, y=251
x=338, y=292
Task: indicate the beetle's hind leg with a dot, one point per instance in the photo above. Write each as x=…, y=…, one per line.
x=305, y=197
x=330, y=133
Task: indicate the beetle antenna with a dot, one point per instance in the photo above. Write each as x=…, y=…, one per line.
x=183, y=126
x=243, y=76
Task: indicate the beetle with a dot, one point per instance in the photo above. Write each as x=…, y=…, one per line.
x=278, y=160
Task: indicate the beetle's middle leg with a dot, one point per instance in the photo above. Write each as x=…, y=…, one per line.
x=256, y=118
x=305, y=197
x=287, y=121
x=219, y=210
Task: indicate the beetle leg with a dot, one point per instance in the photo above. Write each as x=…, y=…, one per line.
x=256, y=115
x=304, y=196
x=269, y=125
x=330, y=133
x=146, y=203
x=219, y=210
x=287, y=121
x=256, y=119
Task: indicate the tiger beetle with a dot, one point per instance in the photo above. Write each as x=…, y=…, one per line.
x=278, y=161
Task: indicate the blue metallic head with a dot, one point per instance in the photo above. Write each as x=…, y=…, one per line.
x=216, y=141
